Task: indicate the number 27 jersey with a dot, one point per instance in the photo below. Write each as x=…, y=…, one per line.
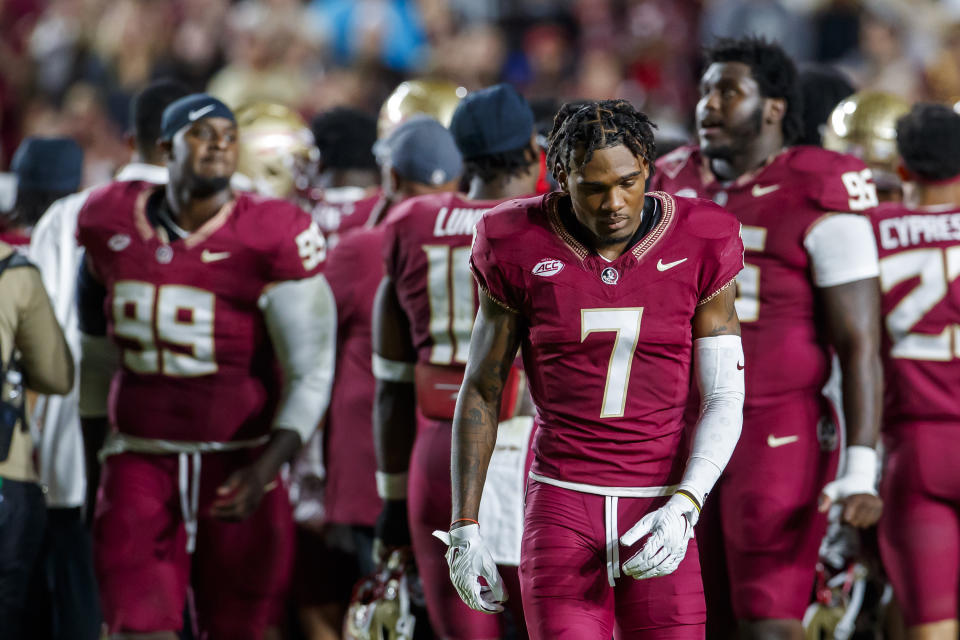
x=607, y=346
x=197, y=363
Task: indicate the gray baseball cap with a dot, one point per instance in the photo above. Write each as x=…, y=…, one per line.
x=421, y=149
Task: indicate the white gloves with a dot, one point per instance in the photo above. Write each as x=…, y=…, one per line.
x=670, y=528
x=859, y=475
x=470, y=560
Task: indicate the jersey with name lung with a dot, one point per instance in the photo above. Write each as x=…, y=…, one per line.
x=783, y=340
x=197, y=362
x=607, y=346
x=920, y=281
x=427, y=254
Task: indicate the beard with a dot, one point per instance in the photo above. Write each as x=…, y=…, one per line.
x=740, y=136
x=203, y=187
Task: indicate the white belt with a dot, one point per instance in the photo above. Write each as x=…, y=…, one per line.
x=188, y=454
x=611, y=496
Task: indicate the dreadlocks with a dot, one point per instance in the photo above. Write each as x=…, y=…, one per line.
x=598, y=125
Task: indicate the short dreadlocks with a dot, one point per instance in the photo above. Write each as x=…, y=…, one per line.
x=928, y=138
x=598, y=125
x=772, y=70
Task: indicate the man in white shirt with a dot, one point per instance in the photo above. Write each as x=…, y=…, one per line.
x=67, y=563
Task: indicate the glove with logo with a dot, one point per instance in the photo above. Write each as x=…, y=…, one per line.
x=469, y=560
x=670, y=528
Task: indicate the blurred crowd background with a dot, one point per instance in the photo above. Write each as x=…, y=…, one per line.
x=70, y=67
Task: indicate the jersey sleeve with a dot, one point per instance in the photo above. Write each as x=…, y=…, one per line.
x=496, y=278
x=845, y=185
x=723, y=259
x=842, y=249
x=301, y=248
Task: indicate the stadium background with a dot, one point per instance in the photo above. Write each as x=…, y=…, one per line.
x=69, y=67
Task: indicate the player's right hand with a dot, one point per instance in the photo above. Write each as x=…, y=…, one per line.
x=670, y=528
x=469, y=560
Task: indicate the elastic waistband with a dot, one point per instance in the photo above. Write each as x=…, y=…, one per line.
x=618, y=492
x=117, y=443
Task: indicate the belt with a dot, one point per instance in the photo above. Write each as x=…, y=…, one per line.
x=611, y=497
x=188, y=472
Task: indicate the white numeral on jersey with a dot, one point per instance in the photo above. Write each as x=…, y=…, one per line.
x=936, y=269
x=450, y=289
x=179, y=318
x=860, y=188
x=626, y=324
x=312, y=246
x=748, y=280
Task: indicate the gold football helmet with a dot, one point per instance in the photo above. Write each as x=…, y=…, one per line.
x=276, y=149
x=865, y=125
x=435, y=98
x=380, y=608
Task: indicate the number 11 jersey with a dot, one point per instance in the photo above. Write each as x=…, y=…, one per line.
x=607, y=346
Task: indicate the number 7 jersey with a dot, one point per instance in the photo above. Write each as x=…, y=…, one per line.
x=607, y=346
x=197, y=362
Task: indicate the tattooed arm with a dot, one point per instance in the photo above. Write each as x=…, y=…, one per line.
x=718, y=317
x=493, y=347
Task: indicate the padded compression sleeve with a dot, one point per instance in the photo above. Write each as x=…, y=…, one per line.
x=719, y=367
x=301, y=317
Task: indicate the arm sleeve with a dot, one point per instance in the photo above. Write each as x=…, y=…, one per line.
x=719, y=363
x=301, y=319
x=842, y=249
x=45, y=356
x=493, y=275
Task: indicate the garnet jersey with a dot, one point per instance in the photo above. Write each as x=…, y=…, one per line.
x=354, y=270
x=920, y=280
x=197, y=363
x=778, y=205
x=607, y=345
x=427, y=254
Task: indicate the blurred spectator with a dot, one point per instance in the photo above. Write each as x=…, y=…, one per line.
x=943, y=73
x=265, y=56
x=882, y=63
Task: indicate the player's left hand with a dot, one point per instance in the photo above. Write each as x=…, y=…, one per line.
x=670, y=528
x=861, y=509
x=240, y=495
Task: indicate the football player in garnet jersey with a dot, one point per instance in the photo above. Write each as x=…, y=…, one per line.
x=420, y=151
x=919, y=245
x=613, y=295
x=202, y=292
x=809, y=282
x=423, y=315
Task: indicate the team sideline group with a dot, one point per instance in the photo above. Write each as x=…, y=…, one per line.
x=566, y=386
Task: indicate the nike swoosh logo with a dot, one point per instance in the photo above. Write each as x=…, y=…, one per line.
x=211, y=256
x=199, y=113
x=663, y=266
x=759, y=191
x=774, y=442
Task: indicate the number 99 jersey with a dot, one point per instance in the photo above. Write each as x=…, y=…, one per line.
x=196, y=360
x=920, y=281
x=607, y=346
x=780, y=205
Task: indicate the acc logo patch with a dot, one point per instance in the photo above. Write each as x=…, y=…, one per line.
x=119, y=242
x=547, y=268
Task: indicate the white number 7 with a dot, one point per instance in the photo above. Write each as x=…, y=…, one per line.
x=626, y=324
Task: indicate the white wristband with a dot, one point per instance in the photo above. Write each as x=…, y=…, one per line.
x=862, y=463
x=391, y=486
